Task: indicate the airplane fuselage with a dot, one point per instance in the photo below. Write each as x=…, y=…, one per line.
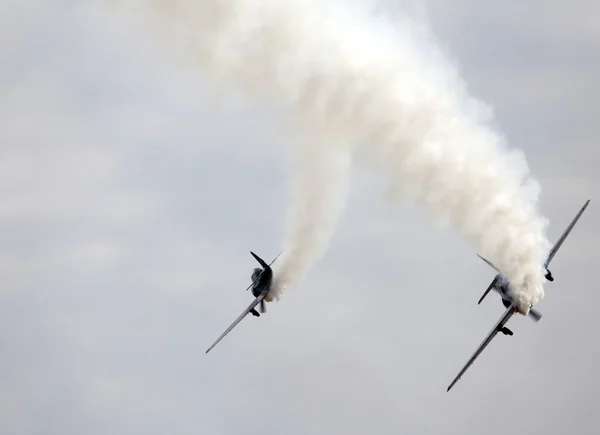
x=264, y=283
x=502, y=286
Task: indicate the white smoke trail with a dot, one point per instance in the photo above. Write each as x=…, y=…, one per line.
x=347, y=77
x=319, y=192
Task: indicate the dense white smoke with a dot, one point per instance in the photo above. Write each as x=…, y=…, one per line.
x=350, y=79
x=321, y=167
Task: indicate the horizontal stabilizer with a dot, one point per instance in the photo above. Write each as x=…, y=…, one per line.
x=260, y=260
x=489, y=263
x=488, y=290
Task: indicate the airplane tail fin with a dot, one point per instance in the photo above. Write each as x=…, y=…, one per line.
x=260, y=260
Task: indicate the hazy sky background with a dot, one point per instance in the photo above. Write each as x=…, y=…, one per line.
x=130, y=201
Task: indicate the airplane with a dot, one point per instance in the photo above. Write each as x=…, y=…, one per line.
x=261, y=285
x=501, y=285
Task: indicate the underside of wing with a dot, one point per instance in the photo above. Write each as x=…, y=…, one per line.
x=564, y=235
x=254, y=303
x=499, y=325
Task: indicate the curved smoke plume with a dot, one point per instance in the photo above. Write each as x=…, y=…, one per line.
x=350, y=79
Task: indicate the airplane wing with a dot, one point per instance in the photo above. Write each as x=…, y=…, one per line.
x=505, y=317
x=560, y=241
x=254, y=303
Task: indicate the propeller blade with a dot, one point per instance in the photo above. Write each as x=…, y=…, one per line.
x=535, y=315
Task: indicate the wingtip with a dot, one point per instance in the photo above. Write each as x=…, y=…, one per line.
x=448, y=389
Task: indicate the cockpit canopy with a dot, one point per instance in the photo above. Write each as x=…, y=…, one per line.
x=255, y=273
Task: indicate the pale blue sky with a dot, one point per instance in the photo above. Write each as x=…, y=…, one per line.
x=130, y=200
